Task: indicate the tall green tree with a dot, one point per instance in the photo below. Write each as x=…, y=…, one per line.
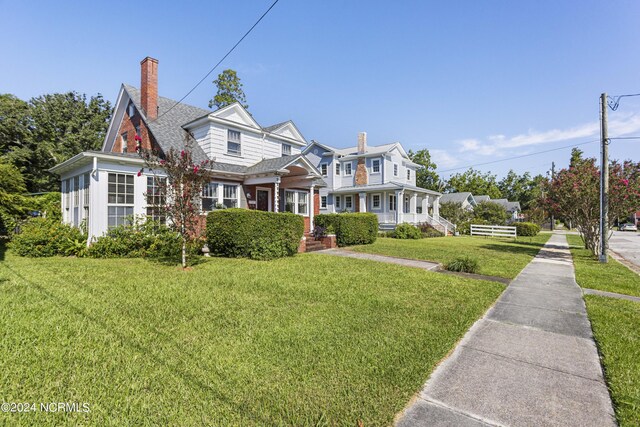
x=476, y=182
x=492, y=213
x=426, y=175
x=50, y=129
x=229, y=90
x=12, y=200
x=521, y=188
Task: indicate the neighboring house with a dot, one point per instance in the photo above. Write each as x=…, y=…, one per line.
x=512, y=208
x=380, y=179
x=466, y=199
x=481, y=199
x=254, y=167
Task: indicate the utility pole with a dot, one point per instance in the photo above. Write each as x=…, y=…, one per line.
x=553, y=175
x=604, y=180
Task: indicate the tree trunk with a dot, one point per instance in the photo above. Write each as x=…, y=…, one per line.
x=184, y=253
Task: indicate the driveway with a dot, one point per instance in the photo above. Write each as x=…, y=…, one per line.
x=627, y=245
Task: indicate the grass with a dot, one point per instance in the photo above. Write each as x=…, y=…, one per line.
x=309, y=340
x=497, y=256
x=616, y=328
x=611, y=277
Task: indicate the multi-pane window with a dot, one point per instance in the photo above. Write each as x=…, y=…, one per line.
x=408, y=174
x=337, y=168
x=323, y=202
x=233, y=142
x=347, y=168
x=375, y=166
x=338, y=202
x=286, y=150
x=303, y=204
x=156, y=198
x=323, y=169
x=395, y=169
x=375, y=201
x=348, y=202
x=120, y=193
x=85, y=195
x=75, y=185
x=120, y=189
x=67, y=193
x=123, y=141
x=209, y=196
x=296, y=202
x=392, y=202
x=230, y=196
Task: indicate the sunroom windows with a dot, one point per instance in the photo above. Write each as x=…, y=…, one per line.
x=119, y=198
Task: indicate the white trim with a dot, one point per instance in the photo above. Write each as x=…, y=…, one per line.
x=326, y=202
x=267, y=189
x=350, y=209
x=350, y=168
x=379, y=167
x=379, y=208
x=296, y=201
x=396, y=170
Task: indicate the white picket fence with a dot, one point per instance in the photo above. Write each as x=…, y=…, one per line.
x=493, y=231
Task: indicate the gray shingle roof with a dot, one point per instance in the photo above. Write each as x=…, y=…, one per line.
x=276, y=126
x=455, y=197
x=480, y=199
x=272, y=165
x=167, y=128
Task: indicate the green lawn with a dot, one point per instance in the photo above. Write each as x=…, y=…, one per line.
x=309, y=340
x=611, y=277
x=497, y=256
x=616, y=326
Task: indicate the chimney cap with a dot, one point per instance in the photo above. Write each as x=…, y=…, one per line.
x=148, y=58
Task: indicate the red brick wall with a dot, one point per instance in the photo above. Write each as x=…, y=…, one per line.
x=128, y=125
x=149, y=87
x=316, y=203
x=252, y=190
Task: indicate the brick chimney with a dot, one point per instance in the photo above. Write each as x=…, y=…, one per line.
x=149, y=87
x=362, y=142
x=361, y=169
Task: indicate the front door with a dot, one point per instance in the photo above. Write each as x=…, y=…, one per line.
x=262, y=197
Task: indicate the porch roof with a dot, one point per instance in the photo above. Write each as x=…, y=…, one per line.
x=389, y=186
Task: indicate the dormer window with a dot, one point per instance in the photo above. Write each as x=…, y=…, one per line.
x=375, y=166
x=286, y=150
x=131, y=109
x=233, y=143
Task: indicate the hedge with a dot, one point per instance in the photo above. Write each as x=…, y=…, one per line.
x=527, y=229
x=243, y=233
x=43, y=237
x=407, y=231
x=351, y=228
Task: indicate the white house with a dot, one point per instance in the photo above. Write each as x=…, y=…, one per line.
x=466, y=199
x=380, y=179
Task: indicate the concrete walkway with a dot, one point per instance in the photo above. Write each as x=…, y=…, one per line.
x=531, y=361
x=425, y=265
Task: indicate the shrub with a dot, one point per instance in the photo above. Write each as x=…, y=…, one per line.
x=42, y=237
x=254, y=234
x=465, y=227
x=351, y=228
x=465, y=264
x=527, y=229
x=428, y=231
x=139, y=238
x=407, y=231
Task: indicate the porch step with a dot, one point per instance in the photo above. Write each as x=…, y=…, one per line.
x=313, y=245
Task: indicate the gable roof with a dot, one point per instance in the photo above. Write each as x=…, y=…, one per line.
x=166, y=128
x=483, y=198
x=279, y=163
x=457, y=197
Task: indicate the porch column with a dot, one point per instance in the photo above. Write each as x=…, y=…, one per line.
x=312, y=207
x=399, y=205
x=436, y=208
x=276, y=195
x=413, y=203
x=363, y=202
x=425, y=206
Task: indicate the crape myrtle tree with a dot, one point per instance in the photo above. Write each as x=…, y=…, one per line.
x=574, y=194
x=178, y=194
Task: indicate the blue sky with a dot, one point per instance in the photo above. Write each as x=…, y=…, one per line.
x=473, y=81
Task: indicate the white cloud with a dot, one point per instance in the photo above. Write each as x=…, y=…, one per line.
x=443, y=159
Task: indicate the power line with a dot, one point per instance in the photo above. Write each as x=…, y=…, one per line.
x=614, y=101
x=220, y=62
x=520, y=156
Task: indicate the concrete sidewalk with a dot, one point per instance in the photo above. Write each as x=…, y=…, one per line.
x=531, y=361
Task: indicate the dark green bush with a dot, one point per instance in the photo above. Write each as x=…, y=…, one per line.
x=465, y=227
x=147, y=239
x=407, y=231
x=527, y=229
x=254, y=234
x=351, y=228
x=43, y=237
x=428, y=231
x=465, y=264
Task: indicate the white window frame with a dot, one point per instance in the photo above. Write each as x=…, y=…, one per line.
x=210, y=191
x=337, y=202
x=324, y=169
x=235, y=199
x=350, y=169
x=393, y=203
x=323, y=202
x=296, y=201
x=396, y=169
x=287, y=151
x=348, y=200
x=238, y=152
x=373, y=206
x=375, y=162
x=408, y=174
x=338, y=168
x=120, y=206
